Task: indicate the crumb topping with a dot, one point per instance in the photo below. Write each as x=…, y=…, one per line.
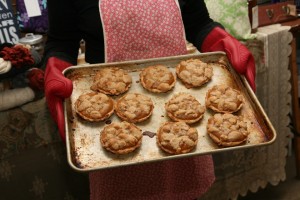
x=194, y=72
x=111, y=81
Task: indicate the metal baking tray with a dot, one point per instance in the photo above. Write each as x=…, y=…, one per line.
x=84, y=150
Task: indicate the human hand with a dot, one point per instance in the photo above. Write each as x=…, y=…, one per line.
x=57, y=88
x=239, y=56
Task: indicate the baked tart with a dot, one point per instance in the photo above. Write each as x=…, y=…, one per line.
x=134, y=107
x=111, y=81
x=94, y=106
x=176, y=137
x=157, y=78
x=227, y=129
x=224, y=99
x=121, y=137
x=194, y=72
x=184, y=107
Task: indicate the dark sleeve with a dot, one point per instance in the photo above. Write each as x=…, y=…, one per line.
x=196, y=20
x=63, y=36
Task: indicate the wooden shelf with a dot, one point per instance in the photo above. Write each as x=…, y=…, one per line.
x=295, y=30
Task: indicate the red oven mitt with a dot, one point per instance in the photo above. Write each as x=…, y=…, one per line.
x=239, y=56
x=57, y=88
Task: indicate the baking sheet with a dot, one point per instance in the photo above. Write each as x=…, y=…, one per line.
x=83, y=138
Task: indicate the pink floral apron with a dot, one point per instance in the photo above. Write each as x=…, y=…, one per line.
x=139, y=29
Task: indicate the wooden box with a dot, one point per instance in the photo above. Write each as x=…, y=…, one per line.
x=276, y=13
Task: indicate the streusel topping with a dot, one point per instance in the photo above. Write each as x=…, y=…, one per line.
x=224, y=99
x=157, y=78
x=184, y=107
x=94, y=106
x=111, y=81
x=228, y=129
x=194, y=72
x=177, y=137
x=134, y=107
x=121, y=137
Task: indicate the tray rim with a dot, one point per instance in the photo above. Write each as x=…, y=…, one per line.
x=210, y=152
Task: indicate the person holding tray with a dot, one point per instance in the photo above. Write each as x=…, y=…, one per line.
x=123, y=30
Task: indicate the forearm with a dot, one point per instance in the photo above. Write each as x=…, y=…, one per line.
x=67, y=51
x=63, y=36
x=197, y=22
x=200, y=35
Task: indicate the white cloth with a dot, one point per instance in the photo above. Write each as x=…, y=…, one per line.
x=5, y=66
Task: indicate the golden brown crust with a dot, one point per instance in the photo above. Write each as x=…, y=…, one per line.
x=224, y=99
x=134, y=107
x=121, y=137
x=94, y=106
x=157, y=78
x=227, y=129
x=176, y=137
x=194, y=72
x=184, y=107
x=111, y=81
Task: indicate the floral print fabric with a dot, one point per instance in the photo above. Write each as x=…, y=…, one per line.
x=142, y=29
x=33, y=162
x=233, y=15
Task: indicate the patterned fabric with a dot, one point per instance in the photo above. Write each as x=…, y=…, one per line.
x=129, y=35
x=233, y=15
x=33, y=162
x=187, y=178
x=161, y=30
x=20, y=131
x=38, y=24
